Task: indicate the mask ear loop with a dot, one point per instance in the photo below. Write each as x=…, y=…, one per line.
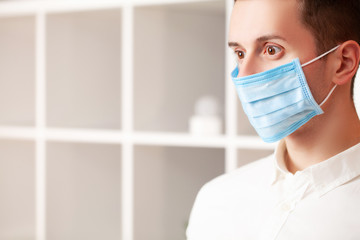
x=322, y=55
x=317, y=58
x=327, y=97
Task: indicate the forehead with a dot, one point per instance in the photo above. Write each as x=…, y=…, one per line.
x=252, y=19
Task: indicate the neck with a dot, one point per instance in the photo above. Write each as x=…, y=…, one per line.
x=323, y=136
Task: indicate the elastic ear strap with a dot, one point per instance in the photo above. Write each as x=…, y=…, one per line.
x=327, y=97
x=322, y=55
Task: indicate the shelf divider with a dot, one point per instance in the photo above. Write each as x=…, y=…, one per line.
x=12, y=132
x=230, y=111
x=127, y=122
x=40, y=126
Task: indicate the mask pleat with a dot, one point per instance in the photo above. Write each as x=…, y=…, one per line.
x=273, y=103
x=268, y=88
x=285, y=127
x=277, y=117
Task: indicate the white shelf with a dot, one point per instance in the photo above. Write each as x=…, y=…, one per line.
x=17, y=133
x=26, y=7
x=188, y=140
x=179, y=139
x=138, y=138
x=83, y=136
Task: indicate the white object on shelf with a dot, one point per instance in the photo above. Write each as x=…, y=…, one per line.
x=205, y=125
x=206, y=120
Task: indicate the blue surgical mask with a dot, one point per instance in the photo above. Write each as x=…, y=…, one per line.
x=278, y=101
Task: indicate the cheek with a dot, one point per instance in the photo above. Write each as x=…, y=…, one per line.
x=316, y=78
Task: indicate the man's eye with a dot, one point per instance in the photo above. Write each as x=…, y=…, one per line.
x=272, y=50
x=240, y=54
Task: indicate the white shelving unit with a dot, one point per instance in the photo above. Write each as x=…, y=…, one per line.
x=95, y=99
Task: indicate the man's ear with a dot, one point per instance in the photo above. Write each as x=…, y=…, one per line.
x=348, y=56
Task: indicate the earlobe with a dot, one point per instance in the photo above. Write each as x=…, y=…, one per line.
x=348, y=55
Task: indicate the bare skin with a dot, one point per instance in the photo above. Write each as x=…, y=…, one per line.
x=268, y=33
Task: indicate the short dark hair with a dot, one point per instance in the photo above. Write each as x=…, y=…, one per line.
x=331, y=22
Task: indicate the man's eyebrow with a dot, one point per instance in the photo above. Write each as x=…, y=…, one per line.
x=234, y=44
x=269, y=37
x=259, y=39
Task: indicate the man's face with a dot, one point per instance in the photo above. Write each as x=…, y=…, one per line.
x=268, y=33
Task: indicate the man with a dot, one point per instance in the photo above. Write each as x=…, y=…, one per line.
x=296, y=63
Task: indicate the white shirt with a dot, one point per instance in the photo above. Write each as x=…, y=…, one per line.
x=263, y=200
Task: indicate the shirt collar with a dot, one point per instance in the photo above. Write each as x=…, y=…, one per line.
x=280, y=169
x=325, y=175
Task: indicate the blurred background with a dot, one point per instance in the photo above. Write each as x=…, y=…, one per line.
x=113, y=114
